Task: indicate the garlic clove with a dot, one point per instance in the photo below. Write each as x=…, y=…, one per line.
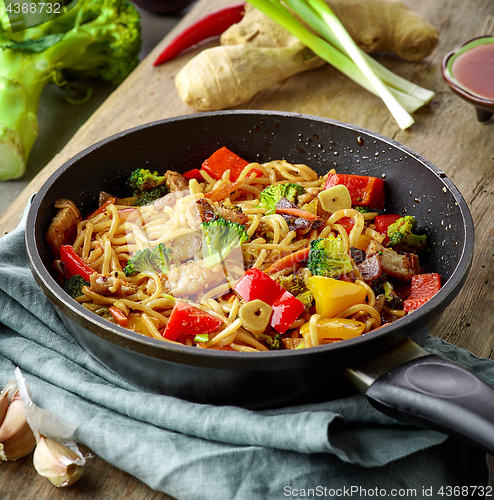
x=16, y=437
x=4, y=405
x=61, y=465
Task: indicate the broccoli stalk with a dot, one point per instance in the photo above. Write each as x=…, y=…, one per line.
x=94, y=39
x=156, y=260
x=401, y=235
x=327, y=257
x=273, y=194
x=219, y=238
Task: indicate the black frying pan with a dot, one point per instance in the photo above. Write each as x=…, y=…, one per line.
x=413, y=185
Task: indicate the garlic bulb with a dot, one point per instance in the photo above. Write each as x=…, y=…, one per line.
x=60, y=464
x=56, y=455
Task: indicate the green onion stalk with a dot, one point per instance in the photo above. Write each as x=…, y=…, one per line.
x=336, y=46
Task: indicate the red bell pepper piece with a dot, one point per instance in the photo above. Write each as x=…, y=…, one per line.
x=423, y=287
x=213, y=24
x=364, y=191
x=195, y=173
x=347, y=223
x=73, y=264
x=223, y=159
x=110, y=201
x=189, y=320
x=286, y=309
x=382, y=223
x=256, y=285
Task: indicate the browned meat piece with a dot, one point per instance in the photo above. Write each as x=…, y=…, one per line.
x=186, y=246
x=176, y=181
x=370, y=268
x=108, y=284
x=192, y=278
x=104, y=196
x=63, y=227
x=402, y=266
x=209, y=212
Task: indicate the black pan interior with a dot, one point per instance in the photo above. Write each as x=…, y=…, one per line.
x=413, y=186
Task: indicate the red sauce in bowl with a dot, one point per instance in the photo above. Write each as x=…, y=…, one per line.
x=474, y=70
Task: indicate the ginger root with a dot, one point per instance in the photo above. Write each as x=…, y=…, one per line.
x=257, y=52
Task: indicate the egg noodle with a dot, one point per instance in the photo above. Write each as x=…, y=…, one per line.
x=107, y=240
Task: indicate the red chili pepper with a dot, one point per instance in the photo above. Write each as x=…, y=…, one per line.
x=189, y=320
x=423, y=287
x=382, y=223
x=256, y=285
x=195, y=173
x=73, y=263
x=364, y=191
x=213, y=24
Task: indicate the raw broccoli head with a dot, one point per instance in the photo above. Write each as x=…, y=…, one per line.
x=401, y=235
x=73, y=286
x=142, y=180
x=156, y=260
x=94, y=39
x=219, y=238
x=328, y=257
x=272, y=194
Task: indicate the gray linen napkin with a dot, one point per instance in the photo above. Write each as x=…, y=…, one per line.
x=190, y=451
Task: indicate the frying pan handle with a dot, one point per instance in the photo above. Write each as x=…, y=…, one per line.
x=435, y=393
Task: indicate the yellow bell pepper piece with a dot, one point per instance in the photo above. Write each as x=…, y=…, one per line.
x=363, y=242
x=335, y=328
x=334, y=296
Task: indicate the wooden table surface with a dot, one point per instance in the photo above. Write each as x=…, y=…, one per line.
x=446, y=132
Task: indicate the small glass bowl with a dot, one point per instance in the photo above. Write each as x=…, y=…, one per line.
x=483, y=105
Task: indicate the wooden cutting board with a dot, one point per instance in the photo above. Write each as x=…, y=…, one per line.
x=446, y=133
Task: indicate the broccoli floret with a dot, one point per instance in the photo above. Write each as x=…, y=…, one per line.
x=219, y=238
x=142, y=180
x=156, y=260
x=272, y=194
x=327, y=257
x=362, y=209
x=73, y=286
x=274, y=342
x=391, y=298
x=400, y=233
x=151, y=196
x=94, y=39
x=295, y=284
x=381, y=286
